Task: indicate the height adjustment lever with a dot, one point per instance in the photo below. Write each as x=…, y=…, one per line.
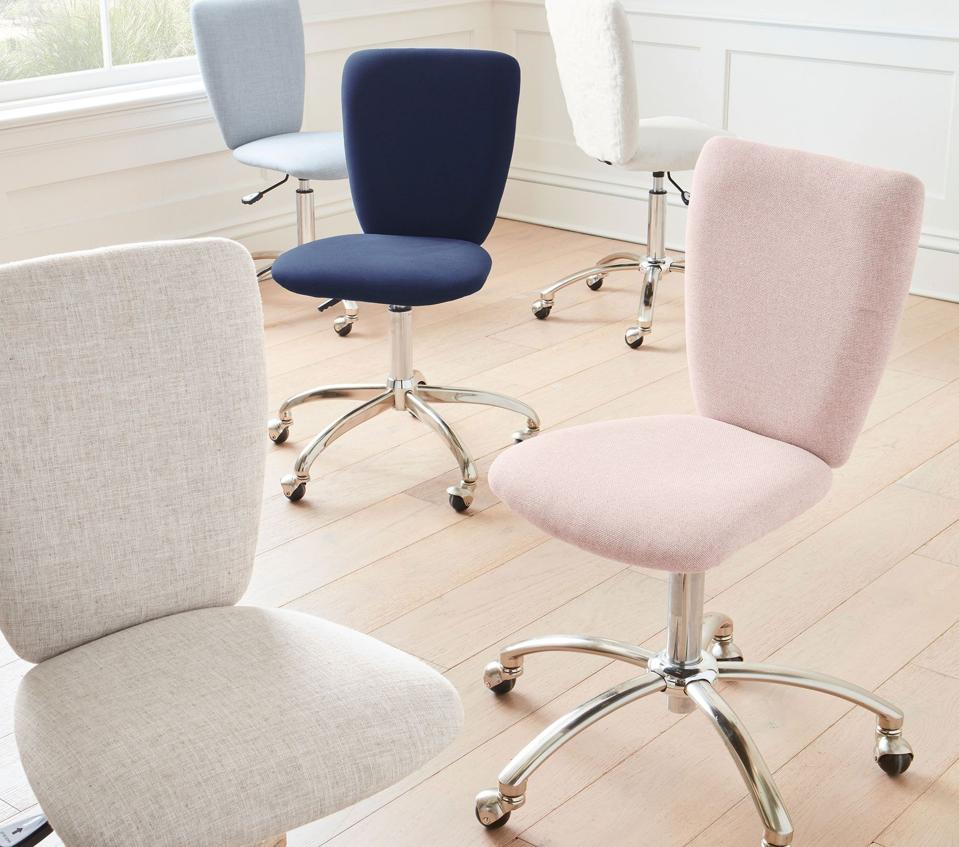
x=257, y=196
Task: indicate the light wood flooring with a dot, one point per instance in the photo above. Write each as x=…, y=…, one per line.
x=865, y=585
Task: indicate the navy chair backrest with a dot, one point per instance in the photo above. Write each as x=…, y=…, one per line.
x=429, y=138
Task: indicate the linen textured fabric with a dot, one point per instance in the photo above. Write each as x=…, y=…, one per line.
x=675, y=492
x=140, y=372
x=302, y=155
x=252, y=58
x=382, y=268
x=797, y=267
x=222, y=727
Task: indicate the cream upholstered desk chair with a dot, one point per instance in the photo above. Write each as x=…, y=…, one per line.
x=594, y=56
x=253, y=58
x=784, y=361
x=159, y=713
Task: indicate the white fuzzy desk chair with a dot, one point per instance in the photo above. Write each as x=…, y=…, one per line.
x=594, y=55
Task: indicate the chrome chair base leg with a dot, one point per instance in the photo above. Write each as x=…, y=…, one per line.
x=653, y=266
x=686, y=674
x=406, y=391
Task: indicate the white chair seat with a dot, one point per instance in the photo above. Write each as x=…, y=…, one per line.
x=222, y=727
x=670, y=144
x=302, y=155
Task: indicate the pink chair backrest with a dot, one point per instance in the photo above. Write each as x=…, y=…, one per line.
x=797, y=268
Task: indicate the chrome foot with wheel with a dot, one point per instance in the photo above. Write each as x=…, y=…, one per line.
x=594, y=283
x=461, y=497
x=525, y=434
x=500, y=680
x=718, y=638
x=278, y=430
x=893, y=753
x=634, y=337
x=541, y=309
x=293, y=487
x=343, y=325
x=493, y=809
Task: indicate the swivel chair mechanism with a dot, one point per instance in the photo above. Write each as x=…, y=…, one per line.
x=594, y=56
x=781, y=402
x=426, y=201
x=253, y=61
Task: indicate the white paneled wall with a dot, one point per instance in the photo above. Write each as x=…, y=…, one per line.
x=148, y=170
x=852, y=79
x=870, y=80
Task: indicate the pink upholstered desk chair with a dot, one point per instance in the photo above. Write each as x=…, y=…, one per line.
x=797, y=269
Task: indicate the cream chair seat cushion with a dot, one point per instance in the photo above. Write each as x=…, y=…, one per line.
x=222, y=727
x=674, y=492
x=670, y=144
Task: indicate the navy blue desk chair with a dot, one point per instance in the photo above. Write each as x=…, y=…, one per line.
x=429, y=137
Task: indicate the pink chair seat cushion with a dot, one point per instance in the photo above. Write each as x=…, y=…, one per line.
x=674, y=492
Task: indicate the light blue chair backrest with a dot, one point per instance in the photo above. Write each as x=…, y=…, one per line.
x=252, y=57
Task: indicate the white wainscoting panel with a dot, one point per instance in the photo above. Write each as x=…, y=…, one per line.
x=158, y=169
x=859, y=81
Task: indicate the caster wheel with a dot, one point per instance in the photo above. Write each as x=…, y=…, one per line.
x=634, y=338
x=895, y=763
x=490, y=811
x=725, y=651
x=496, y=679
x=342, y=327
x=293, y=489
x=594, y=283
x=541, y=309
x=893, y=753
x=278, y=431
x=461, y=498
x=523, y=435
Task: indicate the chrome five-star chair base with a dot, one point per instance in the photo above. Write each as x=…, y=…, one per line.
x=699, y=652
x=652, y=267
x=404, y=390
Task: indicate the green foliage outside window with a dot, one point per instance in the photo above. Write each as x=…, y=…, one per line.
x=43, y=37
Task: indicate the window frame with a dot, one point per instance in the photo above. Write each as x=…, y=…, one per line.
x=66, y=86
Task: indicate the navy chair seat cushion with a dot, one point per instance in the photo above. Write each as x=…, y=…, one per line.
x=401, y=270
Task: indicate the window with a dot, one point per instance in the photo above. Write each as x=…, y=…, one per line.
x=50, y=47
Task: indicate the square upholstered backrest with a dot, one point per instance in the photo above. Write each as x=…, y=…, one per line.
x=797, y=268
x=131, y=468
x=253, y=61
x=594, y=56
x=429, y=138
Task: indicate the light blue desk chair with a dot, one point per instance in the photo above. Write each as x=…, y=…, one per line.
x=253, y=60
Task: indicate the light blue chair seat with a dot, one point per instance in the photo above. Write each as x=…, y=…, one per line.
x=302, y=155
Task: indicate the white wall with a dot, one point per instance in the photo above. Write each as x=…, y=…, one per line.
x=861, y=80
x=855, y=78
x=154, y=170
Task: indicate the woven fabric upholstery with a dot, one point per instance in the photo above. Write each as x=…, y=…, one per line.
x=673, y=492
x=253, y=60
x=135, y=377
x=594, y=57
x=429, y=138
x=222, y=727
x=302, y=155
x=797, y=267
x=399, y=269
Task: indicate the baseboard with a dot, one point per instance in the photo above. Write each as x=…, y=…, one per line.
x=556, y=200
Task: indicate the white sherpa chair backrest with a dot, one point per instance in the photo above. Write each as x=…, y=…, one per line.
x=594, y=55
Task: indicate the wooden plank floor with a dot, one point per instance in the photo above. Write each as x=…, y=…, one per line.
x=864, y=585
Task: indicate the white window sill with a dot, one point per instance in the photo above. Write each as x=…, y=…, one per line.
x=104, y=101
